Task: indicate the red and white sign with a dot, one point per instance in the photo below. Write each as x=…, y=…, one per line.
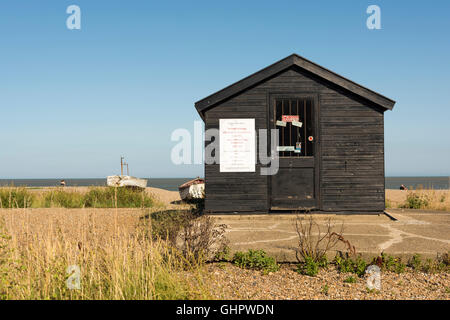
x=289, y=118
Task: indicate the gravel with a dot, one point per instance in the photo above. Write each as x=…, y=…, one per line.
x=230, y=282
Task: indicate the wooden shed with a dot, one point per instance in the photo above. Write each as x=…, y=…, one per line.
x=330, y=144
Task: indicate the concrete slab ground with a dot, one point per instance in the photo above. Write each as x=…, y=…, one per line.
x=414, y=231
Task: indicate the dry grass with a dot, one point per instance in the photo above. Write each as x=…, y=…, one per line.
x=434, y=199
x=116, y=260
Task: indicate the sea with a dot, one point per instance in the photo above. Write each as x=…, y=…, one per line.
x=173, y=183
x=162, y=183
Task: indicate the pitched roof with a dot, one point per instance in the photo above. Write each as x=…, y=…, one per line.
x=293, y=60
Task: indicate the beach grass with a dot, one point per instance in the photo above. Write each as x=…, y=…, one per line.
x=42, y=254
x=94, y=197
x=110, y=197
x=425, y=199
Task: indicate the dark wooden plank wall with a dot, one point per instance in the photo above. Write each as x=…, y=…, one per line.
x=352, y=148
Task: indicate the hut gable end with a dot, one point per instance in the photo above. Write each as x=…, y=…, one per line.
x=291, y=61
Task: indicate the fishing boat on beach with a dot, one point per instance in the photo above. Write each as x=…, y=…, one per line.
x=193, y=189
x=125, y=180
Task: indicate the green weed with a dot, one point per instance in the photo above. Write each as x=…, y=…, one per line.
x=350, y=279
x=346, y=264
x=309, y=267
x=255, y=259
x=416, y=201
x=325, y=289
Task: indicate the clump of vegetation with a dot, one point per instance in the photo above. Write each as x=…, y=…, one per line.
x=389, y=263
x=256, y=260
x=373, y=290
x=63, y=199
x=12, y=197
x=415, y=200
x=325, y=289
x=350, y=279
x=166, y=224
x=422, y=199
x=415, y=262
x=223, y=255
x=96, y=197
x=323, y=263
x=315, y=241
x=111, y=197
x=346, y=264
x=309, y=267
x=195, y=235
x=441, y=263
x=430, y=266
x=393, y=264
x=444, y=259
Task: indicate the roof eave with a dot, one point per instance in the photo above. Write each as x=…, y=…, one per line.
x=344, y=82
x=279, y=66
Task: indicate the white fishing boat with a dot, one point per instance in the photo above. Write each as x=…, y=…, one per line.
x=193, y=189
x=125, y=180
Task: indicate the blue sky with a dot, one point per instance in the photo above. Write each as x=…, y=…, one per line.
x=73, y=101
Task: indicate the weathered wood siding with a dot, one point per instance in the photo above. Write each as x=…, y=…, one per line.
x=352, y=154
x=351, y=148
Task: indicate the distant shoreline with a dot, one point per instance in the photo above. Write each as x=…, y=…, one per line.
x=171, y=184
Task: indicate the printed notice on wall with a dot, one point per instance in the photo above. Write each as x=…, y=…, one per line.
x=237, y=145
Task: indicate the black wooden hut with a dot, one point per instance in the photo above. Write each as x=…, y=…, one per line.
x=330, y=144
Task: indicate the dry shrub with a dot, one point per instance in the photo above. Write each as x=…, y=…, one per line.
x=417, y=200
x=201, y=238
x=194, y=235
x=314, y=241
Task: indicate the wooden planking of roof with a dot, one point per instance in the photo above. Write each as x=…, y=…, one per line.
x=288, y=62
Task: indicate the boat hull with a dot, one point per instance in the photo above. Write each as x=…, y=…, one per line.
x=125, y=181
x=194, y=189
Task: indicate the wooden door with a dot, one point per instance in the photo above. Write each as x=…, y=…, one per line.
x=296, y=185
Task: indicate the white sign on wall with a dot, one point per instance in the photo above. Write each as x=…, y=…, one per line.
x=237, y=145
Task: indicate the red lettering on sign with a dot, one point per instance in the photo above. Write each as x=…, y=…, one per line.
x=289, y=118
